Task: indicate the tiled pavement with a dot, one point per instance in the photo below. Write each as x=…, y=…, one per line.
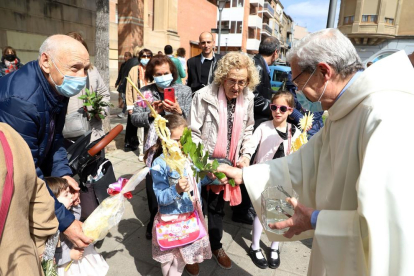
x=128, y=253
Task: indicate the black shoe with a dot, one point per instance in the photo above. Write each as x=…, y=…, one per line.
x=274, y=263
x=246, y=218
x=260, y=263
x=130, y=148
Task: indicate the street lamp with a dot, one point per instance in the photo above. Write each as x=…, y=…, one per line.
x=220, y=5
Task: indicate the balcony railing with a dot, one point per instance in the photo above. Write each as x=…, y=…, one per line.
x=267, y=28
x=268, y=10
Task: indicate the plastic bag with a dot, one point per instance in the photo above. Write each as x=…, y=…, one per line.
x=110, y=211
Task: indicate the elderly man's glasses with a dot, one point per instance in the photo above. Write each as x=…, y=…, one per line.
x=293, y=81
x=282, y=108
x=233, y=82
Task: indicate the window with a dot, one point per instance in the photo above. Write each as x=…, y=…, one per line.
x=239, y=27
x=369, y=18
x=279, y=75
x=224, y=24
x=389, y=21
x=348, y=20
x=233, y=27
x=236, y=3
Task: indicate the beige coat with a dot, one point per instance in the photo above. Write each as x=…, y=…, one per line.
x=130, y=93
x=31, y=217
x=204, y=120
x=358, y=171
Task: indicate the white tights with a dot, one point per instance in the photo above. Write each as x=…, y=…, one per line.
x=257, y=232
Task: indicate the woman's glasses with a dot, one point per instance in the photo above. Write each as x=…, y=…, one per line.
x=146, y=56
x=241, y=83
x=282, y=108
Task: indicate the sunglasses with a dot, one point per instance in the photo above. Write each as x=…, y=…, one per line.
x=282, y=108
x=146, y=56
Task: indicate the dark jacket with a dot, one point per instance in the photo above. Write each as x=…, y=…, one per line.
x=124, y=73
x=262, y=93
x=28, y=104
x=194, y=72
x=118, y=80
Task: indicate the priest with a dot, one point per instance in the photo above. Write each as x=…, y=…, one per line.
x=354, y=177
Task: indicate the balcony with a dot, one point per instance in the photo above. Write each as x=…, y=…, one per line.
x=255, y=21
x=266, y=30
x=257, y=3
x=268, y=10
x=253, y=44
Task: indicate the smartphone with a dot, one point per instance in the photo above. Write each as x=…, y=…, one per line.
x=169, y=94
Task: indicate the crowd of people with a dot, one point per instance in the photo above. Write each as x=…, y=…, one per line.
x=352, y=202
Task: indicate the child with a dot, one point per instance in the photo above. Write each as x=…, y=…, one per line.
x=174, y=203
x=80, y=261
x=274, y=139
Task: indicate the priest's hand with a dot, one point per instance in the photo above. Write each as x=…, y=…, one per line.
x=298, y=223
x=231, y=173
x=75, y=234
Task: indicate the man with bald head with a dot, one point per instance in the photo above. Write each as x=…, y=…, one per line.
x=33, y=101
x=200, y=69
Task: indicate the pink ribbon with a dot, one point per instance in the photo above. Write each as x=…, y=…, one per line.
x=140, y=101
x=115, y=188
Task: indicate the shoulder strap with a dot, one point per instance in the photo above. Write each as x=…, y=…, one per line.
x=8, y=183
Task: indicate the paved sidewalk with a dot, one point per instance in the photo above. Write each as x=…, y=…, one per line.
x=128, y=253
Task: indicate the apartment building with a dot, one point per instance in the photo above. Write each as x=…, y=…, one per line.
x=299, y=32
x=251, y=21
x=378, y=28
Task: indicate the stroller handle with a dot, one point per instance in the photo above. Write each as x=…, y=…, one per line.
x=106, y=140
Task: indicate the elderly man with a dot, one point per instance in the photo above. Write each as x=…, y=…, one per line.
x=353, y=180
x=33, y=101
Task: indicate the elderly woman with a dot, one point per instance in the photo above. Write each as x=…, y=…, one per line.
x=222, y=120
x=94, y=83
x=137, y=75
x=9, y=61
x=162, y=71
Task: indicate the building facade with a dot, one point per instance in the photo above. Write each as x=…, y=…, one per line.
x=24, y=25
x=251, y=21
x=378, y=28
x=299, y=32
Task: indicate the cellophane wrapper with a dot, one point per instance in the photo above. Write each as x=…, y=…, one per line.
x=109, y=213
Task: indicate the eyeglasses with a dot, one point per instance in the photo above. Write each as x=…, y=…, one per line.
x=241, y=83
x=146, y=56
x=282, y=108
x=293, y=81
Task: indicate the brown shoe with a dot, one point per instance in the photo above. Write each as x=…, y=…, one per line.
x=222, y=259
x=192, y=269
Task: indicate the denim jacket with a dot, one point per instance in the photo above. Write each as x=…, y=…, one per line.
x=164, y=180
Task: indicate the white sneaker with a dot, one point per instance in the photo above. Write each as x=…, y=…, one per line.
x=121, y=115
x=141, y=158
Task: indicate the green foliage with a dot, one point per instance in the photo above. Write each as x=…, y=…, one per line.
x=199, y=157
x=93, y=100
x=49, y=268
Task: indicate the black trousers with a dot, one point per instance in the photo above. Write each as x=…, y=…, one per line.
x=213, y=206
x=152, y=201
x=131, y=137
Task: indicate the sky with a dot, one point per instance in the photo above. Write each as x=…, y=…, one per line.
x=312, y=14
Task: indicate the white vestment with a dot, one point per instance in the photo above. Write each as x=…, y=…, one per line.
x=358, y=171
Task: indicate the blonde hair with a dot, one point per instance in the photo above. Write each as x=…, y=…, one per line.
x=236, y=60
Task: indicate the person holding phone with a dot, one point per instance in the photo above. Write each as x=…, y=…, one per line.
x=169, y=98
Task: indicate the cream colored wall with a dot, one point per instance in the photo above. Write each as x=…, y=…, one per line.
x=406, y=19
x=370, y=7
x=391, y=8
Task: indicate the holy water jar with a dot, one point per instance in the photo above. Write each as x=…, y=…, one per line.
x=275, y=208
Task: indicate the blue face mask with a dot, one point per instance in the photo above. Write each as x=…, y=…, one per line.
x=163, y=81
x=71, y=86
x=144, y=61
x=307, y=104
